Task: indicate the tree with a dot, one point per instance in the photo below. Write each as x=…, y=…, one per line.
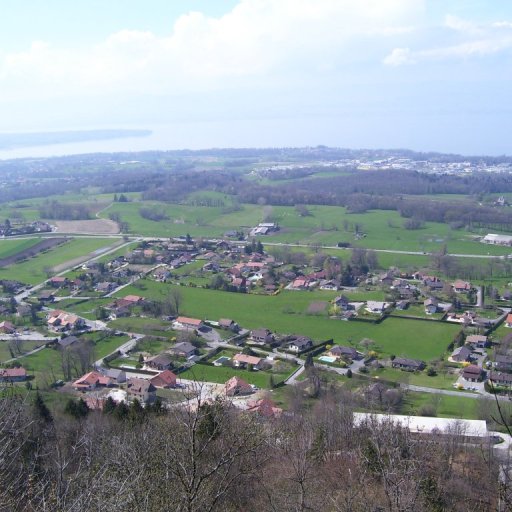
x=175, y=300
x=109, y=406
x=41, y=411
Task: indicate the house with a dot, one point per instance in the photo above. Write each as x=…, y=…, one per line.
x=58, y=281
x=105, y=287
x=46, y=296
x=166, y=379
x=473, y=373
x=495, y=239
x=23, y=310
x=243, y=360
x=184, y=322
x=402, y=305
x=501, y=379
x=341, y=351
x=386, y=278
x=343, y=303
x=431, y=305
x=229, y=325
x=62, y=321
x=299, y=343
x=329, y=285
x=460, y=286
x=264, y=407
x=508, y=320
x=160, y=362
x=133, y=299
x=262, y=336
x=13, y=374
x=7, y=327
x=237, y=386
x=161, y=274
x=434, y=285
x=140, y=389
x=477, y=340
x=184, y=349
x=461, y=354
x=301, y=283
x=117, y=376
x=91, y=380
x=239, y=283
x=67, y=341
x=503, y=363
x=410, y=365
x=119, y=312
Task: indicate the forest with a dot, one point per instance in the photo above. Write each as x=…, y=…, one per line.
x=208, y=456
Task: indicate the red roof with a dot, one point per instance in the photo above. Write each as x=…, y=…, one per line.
x=132, y=298
x=242, y=358
x=189, y=321
x=10, y=373
x=265, y=407
x=92, y=379
x=164, y=379
x=236, y=385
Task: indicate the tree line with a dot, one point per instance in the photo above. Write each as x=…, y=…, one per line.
x=209, y=456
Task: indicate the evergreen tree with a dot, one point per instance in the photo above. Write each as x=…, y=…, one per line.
x=41, y=411
x=109, y=406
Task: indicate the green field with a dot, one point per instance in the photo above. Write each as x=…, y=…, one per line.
x=11, y=247
x=46, y=364
x=445, y=406
x=149, y=326
x=27, y=346
x=286, y=313
x=440, y=381
x=327, y=225
x=221, y=374
x=33, y=271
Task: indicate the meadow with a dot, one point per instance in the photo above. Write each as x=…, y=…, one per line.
x=15, y=246
x=325, y=225
x=34, y=270
x=287, y=313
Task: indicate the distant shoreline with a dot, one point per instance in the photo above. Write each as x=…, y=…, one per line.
x=10, y=141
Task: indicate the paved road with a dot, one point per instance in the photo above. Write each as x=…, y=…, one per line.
x=391, y=251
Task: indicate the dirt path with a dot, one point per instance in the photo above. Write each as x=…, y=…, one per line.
x=87, y=227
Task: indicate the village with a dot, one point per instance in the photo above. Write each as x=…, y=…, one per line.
x=192, y=352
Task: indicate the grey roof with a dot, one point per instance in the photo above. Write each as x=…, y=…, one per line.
x=69, y=340
x=404, y=361
x=184, y=346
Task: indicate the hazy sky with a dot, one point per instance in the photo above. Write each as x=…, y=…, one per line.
x=423, y=74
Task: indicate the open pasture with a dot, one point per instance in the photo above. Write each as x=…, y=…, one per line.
x=287, y=313
x=35, y=270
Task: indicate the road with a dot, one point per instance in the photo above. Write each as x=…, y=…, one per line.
x=26, y=293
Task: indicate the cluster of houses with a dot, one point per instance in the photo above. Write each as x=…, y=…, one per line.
x=24, y=228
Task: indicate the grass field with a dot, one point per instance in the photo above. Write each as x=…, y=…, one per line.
x=33, y=271
x=439, y=381
x=46, y=364
x=445, y=406
x=149, y=326
x=27, y=346
x=327, y=225
x=11, y=247
x=286, y=313
x=221, y=374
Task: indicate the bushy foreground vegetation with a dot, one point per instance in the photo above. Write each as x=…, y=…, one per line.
x=209, y=456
